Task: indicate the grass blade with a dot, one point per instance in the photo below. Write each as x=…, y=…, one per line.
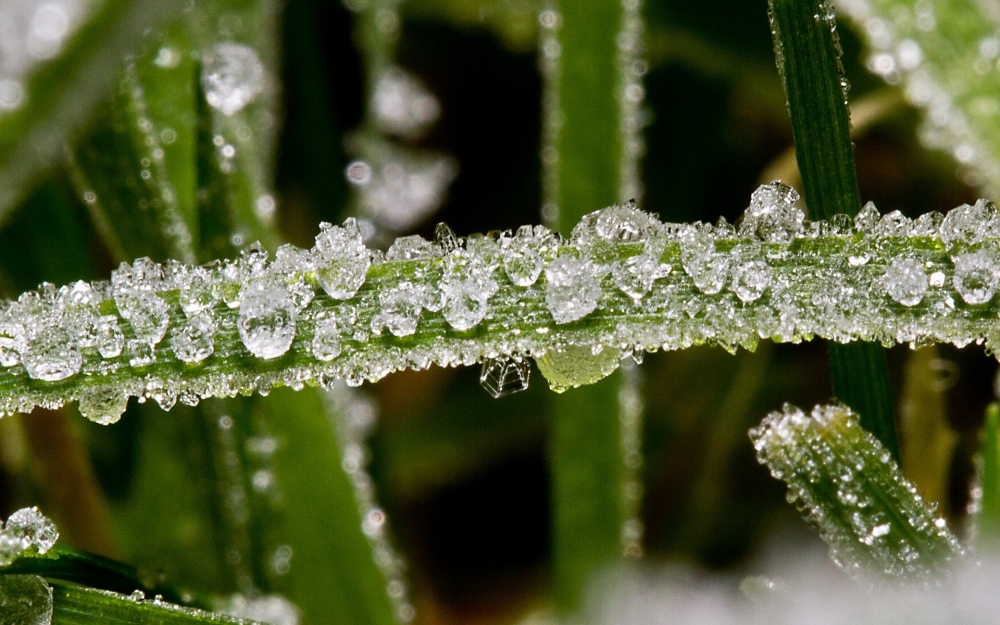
x=808, y=56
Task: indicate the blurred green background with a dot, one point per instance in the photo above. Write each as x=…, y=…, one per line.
x=463, y=477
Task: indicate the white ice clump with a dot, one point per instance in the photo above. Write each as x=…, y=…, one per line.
x=573, y=288
x=906, y=281
x=26, y=530
x=402, y=104
x=232, y=76
x=623, y=283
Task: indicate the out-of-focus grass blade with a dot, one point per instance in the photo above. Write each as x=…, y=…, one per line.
x=61, y=94
x=988, y=517
x=76, y=605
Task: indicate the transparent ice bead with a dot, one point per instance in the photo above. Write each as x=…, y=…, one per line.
x=193, y=341
x=751, y=275
x=906, y=281
x=976, y=276
x=32, y=529
x=326, y=343
x=52, y=355
x=341, y=258
x=772, y=215
x=103, y=404
x=267, y=319
x=146, y=312
x=400, y=309
x=573, y=288
x=522, y=254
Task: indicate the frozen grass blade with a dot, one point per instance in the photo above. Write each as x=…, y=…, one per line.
x=851, y=489
x=808, y=55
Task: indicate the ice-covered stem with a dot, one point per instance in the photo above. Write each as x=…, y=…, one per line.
x=944, y=56
x=851, y=489
x=623, y=281
x=807, y=51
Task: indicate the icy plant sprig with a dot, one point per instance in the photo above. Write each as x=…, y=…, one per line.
x=624, y=282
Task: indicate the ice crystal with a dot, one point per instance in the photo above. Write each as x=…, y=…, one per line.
x=25, y=530
x=505, y=376
x=267, y=319
x=342, y=260
x=906, y=281
x=976, y=276
x=573, y=287
x=851, y=489
x=772, y=215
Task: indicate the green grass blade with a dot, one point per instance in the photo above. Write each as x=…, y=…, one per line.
x=852, y=490
x=61, y=95
x=586, y=454
x=808, y=56
x=988, y=519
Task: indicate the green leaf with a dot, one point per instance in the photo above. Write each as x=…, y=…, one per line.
x=988, y=518
x=61, y=94
x=852, y=490
x=808, y=54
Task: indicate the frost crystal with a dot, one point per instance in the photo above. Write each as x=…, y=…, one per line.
x=505, y=376
x=772, y=215
x=707, y=269
x=467, y=284
x=976, y=276
x=193, y=341
x=970, y=224
x=906, y=281
x=341, y=258
x=267, y=319
x=232, y=77
x=573, y=288
x=400, y=309
x=522, y=254
x=751, y=276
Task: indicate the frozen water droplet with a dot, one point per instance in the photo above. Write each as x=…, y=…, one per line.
x=193, y=341
x=969, y=224
x=195, y=291
x=467, y=284
x=707, y=268
x=413, y=247
x=504, y=376
x=109, y=340
x=11, y=343
x=572, y=366
x=616, y=223
x=906, y=281
x=290, y=266
x=445, y=238
x=52, y=355
x=267, y=319
x=326, y=343
x=867, y=218
x=103, y=404
x=25, y=599
x=32, y=529
x=573, y=288
x=232, y=77
x=522, y=254
x=751, y=276
x=146, y=312
x=400, y=309
x=772, y=215
x=342, y=260
x=894, y=224
x=976, y=276
x=635, y=275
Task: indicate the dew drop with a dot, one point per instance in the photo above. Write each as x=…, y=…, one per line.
x=976, y=276
x=573, y=288
x=103, y=404
x=906, y=281
x=577, y=365
x=193, y=341
x=52, y=355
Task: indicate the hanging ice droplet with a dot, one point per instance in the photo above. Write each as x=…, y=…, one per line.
x=32, y=528
x=341, y=258
x=577, y=365
x=25, y=599
x=232, y=77
x=573, y=288
x=906, y=281
x=976, y=276
x=103, y=404
x=505, y=376
x=326, y=343
x=267, y=319
x=772, y=215
x=193, y=341
x=52, y=355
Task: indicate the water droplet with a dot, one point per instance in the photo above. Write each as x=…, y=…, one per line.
x=573, y=288
x=103, y=404
x=505, y=376
x=772, y=215
x=146, y=312
x=750, y=275
x=522, y=254
x=577, y=365
x=400, y=309
x=970, y=224
x=267, y=319
x=52, y=355
x=341, y=258
x=193, y=341
x=232, y=76
x=976, y=276
x=109, y=337
x=906, y=281
x=707, y=268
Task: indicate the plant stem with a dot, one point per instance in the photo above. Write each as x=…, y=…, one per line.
x=989, y=511
x=586, y=455
x=808, y=55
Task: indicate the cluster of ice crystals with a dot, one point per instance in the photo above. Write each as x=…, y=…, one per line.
x=505, y=376
x=906, y=281
x=623, y=283
x=232, y=76
x=25, y=530
x=850, y=487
